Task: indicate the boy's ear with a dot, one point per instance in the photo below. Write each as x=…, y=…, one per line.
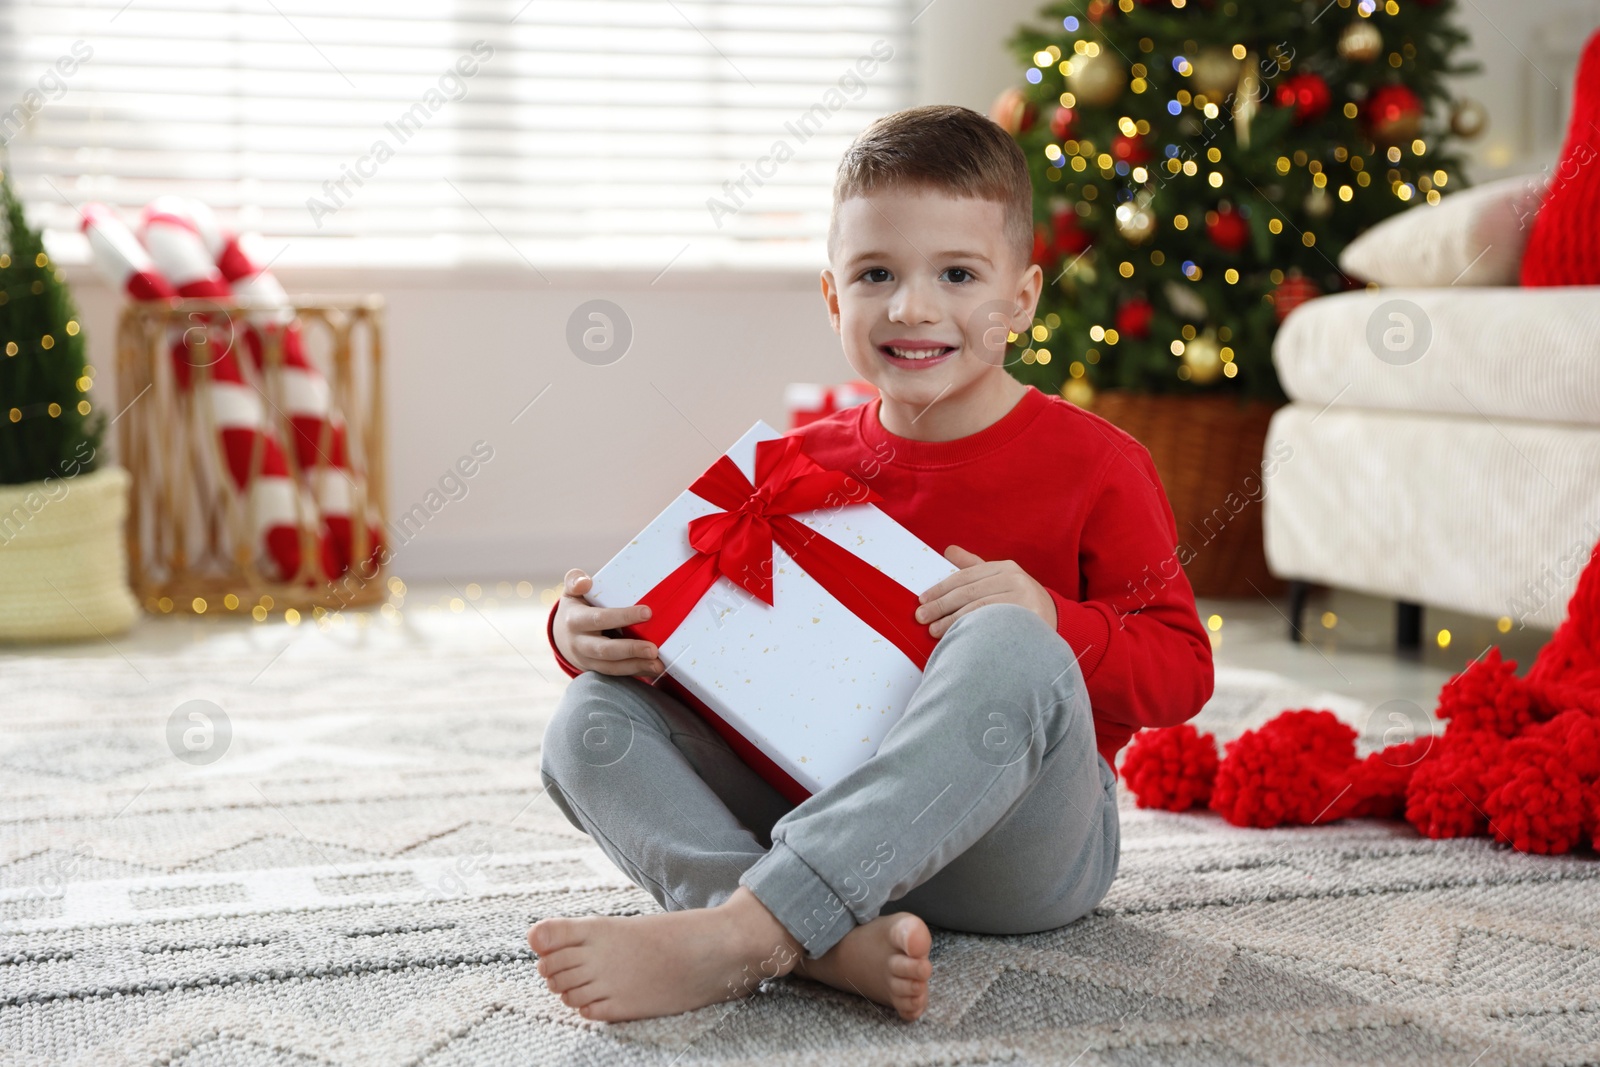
x=1031, y=289
x=830, y=296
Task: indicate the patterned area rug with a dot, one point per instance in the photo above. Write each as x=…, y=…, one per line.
x=350, y=882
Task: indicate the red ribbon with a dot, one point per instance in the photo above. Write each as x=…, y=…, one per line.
x=736, y=543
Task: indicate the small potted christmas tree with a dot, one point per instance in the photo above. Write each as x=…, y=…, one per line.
x=63, y=561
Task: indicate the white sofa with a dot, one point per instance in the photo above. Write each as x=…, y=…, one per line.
x=1443, y=434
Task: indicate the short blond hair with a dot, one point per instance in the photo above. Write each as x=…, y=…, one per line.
x=942, y=148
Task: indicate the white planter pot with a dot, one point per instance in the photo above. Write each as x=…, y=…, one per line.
x=63, y=560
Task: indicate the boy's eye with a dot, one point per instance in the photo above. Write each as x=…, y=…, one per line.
x=962, y=274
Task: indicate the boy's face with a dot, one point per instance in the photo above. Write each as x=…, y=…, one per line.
x=929, y=271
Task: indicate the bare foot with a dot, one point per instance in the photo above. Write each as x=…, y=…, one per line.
x=613, y=968
x=885, y=960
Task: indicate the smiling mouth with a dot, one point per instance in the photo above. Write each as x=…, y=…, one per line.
x=915, y=353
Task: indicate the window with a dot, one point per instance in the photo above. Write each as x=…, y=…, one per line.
x=551, y=133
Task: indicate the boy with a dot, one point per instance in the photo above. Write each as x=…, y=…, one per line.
x=990, y=806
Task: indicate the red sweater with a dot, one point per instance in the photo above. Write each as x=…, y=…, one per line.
x=1078, y=505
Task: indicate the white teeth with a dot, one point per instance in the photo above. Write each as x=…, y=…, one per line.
x=920, y=353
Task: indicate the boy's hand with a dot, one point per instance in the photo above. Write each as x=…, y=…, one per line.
x=978, y=583
x=580, y=637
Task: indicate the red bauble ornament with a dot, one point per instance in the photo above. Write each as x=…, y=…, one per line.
x=1307, y=93
x=1227, y=229
x=1133, y=318
x=1171, y=769
x=1041, y=244
x=1062, y=122
x=1129, y=149
x=1293, y=291
x=1070, y=238
x=1394, y=114
x=1013, y=112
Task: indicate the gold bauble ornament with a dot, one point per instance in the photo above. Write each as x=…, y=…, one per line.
x=1135, y=221
x=1318, y=203
x=1214, y=73
x=1097, y=80
x=1361, y=42
x=1203, y=357
x=1468, y=118
x=1078, y=391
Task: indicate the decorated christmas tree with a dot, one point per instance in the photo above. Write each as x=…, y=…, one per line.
x=46, y=429
x=1200, y=164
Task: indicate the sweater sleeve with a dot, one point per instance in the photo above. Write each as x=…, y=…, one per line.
x=1144, y=654
x=550, y=635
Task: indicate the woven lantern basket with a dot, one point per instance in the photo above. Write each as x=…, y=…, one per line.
x=191, y=541
x=1208, y=451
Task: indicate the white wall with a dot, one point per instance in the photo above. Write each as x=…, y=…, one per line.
x=607, y=447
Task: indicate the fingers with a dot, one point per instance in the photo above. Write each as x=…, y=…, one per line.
x=624, y=668
x=938, y=628
x=592, y=620
x=961, y=557
x=955, y=581
x=612, y=649
x=979, y=586
x=576, y=582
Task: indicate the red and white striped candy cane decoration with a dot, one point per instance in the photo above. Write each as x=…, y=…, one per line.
x=235, y=404
x=299, y=387
x=120, y=256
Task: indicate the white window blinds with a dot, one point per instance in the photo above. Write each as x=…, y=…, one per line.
x=537, y=133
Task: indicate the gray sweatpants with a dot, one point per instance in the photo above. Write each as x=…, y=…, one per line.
x=986, y=809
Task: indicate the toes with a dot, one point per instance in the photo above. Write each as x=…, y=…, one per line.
x=582, y=995
x=910, y=935
x=571, y=978
x=912, y=967
x=600, y=1011
x=906, y=989
x=911, y=1009
x=562, y=959
x=547, y=935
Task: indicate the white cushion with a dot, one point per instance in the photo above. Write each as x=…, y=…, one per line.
x=1531, y=354
x=1473, y=237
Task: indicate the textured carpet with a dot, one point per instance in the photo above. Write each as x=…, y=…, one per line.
x=351, y=882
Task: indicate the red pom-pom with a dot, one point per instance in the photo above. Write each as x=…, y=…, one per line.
x=1445, y=795
x=1171, y=768
x=1378, y=783
x=1293, y=770
x=1577, y=734
x=1488, y=695
x=1538, y=803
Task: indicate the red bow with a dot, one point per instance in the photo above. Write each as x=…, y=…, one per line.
x=736, y=543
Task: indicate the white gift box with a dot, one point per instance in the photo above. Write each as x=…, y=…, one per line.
x=803, y=681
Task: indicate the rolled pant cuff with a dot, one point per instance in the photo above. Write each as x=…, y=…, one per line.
x=799, y=899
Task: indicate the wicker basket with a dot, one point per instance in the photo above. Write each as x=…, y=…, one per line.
x=63, y=572
x=190, y=546
x=1208, y=451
